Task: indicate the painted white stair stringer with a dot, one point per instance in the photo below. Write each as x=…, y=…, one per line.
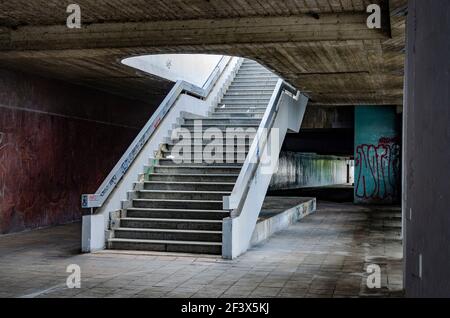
x=250, y=190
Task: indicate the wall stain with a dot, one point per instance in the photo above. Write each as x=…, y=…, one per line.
x=57, y=141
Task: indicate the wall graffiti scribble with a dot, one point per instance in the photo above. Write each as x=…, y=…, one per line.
x=377, y=170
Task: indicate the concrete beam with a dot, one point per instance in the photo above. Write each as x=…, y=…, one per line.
x=260, y=30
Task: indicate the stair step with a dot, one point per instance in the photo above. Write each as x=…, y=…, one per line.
x=188, y=186
x=220, y=123
x=194, y=177
x=248, y=93
x=166, y=246
x=219, y=131
x=251, y=79
x=264, y=97
x=168, y=234
x=207, y=169
x=220, y=128
x=211, y=121
x=253, y=84
x=209, y=156
x=222, y=143
x=252, y=89
x=230, y=108
x=191, y=155
x=256, y=76
x=256, y=115
x=182, y=194
x=171, y=162
x=244, y=103
x=175, y=224
x=187, y=204
x=237, y=157
x=255, y=66
x=192, y=214
x=247, y=68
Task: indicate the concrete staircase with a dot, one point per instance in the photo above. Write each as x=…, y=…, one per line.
x=179, y=207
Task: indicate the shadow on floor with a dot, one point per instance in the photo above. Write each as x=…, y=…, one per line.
x=339, y=193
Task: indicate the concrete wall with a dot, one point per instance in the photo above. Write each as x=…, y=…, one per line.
x=192, y=68
x=377, y=155
x=299, y=170
x=427, y=150
x=57, y=141
x=328, y=117
x=321, y=141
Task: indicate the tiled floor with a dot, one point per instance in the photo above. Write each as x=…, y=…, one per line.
x=325, y=255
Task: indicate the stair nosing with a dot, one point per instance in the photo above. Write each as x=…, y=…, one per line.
x=193, y=182
x=176, y=210
x=195, y=174
x=166, y=230
x=197, y=167
x=170, y=220
x=174, y=200
x=184, y=191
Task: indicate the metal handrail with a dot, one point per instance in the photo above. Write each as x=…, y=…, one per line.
x=242, y=186
x=97, y=199
x=212, y=79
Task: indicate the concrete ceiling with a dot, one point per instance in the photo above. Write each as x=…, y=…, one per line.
x=321, y=46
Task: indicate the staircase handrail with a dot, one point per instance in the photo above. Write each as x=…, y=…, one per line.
x=97, y=199
x=237, y=197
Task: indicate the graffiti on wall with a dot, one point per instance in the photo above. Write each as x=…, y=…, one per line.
x=377, y=169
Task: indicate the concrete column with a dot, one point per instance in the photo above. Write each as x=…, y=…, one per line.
x=427, y=150
x=377, y=155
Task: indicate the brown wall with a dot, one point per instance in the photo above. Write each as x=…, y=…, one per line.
x=57, y=141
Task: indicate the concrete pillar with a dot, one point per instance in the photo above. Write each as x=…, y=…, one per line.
x=377, y=155
x=427, y=150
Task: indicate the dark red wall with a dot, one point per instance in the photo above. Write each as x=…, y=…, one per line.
x=57, y=141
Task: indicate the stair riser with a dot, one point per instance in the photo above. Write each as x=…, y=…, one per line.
x=170, y=162
x=237, y=158
x=173, y=248
x=187, y=178
x=175, y=225
x=195, y=170
x=244, y=104
x=250, y=89
x=168, y=236
x=227, y=99
x=254, y=72
x=254, y=82
x=255, y=77
x=247, y=94
x=225, y=147
x=181, y=196
x=238, y=109
x=193, y=215
x=223, y=121
x=222, y=127
x=178, y=205
x=251, y=115
x=238, y=131
x=188, y=187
